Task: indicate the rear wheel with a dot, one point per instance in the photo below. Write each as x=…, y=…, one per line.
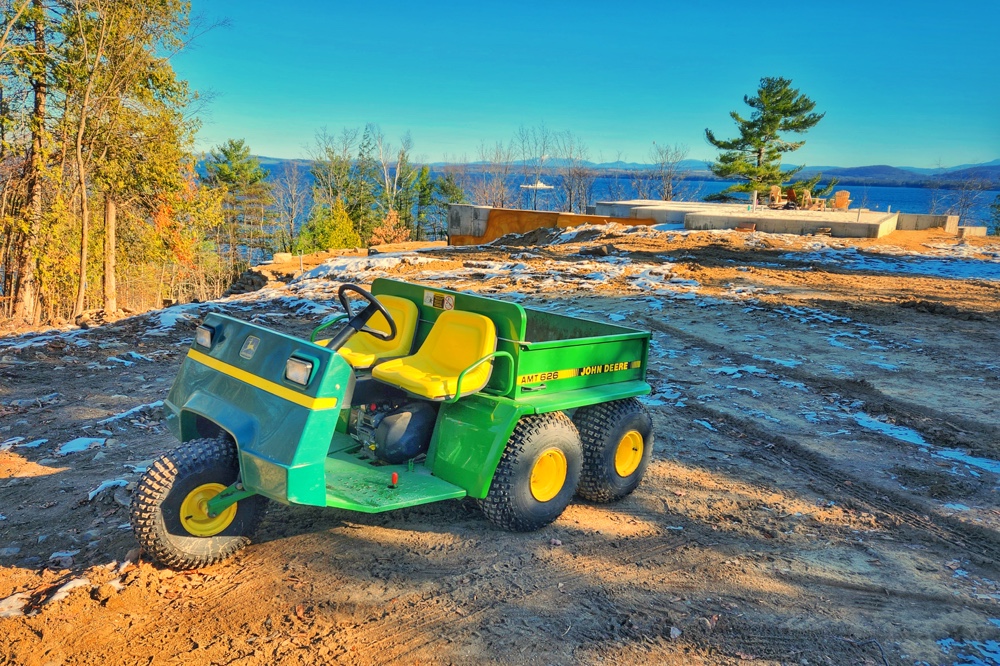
x=537, y=474
x=617, y=443
x=169, y=508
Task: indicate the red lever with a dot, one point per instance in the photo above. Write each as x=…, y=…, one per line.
x=395, y=479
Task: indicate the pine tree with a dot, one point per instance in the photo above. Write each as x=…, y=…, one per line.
x=247, y=204
x=755, y=156
x=328, y=229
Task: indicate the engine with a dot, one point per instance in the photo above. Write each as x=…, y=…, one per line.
x=392, y=432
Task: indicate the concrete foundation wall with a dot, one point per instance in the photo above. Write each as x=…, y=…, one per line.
x=966, y=232
x=467, y=220
x=871, y=225
x=914, y=222
x=658, y=215
x=488, y=224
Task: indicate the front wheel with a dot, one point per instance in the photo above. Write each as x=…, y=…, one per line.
x=537, y=474
x=617, y=444
x=169, y=516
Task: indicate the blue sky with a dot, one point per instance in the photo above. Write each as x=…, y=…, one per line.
x=907, y=84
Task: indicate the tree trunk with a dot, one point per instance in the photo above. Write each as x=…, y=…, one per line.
x=26, y=297
x=110, y=259
x=81, y=293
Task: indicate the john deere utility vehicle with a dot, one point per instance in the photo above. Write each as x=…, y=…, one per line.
x=423, y=395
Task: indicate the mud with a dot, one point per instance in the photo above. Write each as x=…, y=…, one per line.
x=802, y=506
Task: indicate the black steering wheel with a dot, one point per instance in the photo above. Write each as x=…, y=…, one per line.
x=358, y=322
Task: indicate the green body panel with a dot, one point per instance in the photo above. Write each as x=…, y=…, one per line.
x=282, y=444
x=354, y=482
x=469, y=438
x=300, y=453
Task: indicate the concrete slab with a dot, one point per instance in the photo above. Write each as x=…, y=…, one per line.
x=967, y=232
x=841, y=224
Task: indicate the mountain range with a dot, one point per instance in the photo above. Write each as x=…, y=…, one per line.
x=879, y=174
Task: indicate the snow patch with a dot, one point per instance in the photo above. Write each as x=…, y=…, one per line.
x=80, y=444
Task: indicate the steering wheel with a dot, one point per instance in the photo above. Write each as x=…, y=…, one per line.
x=358, y=322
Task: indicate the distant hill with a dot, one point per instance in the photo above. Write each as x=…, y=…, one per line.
x=989, y=171
x=878, y=174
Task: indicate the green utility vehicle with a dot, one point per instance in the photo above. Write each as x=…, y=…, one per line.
x=423, y=395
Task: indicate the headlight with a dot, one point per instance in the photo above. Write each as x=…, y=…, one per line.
x=203, y=336
x=298, y=371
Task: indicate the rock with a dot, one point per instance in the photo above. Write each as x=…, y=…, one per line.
x=675, y=633
x=10, y=551
x=282, y=257
x=598, y=250
x=122, y=497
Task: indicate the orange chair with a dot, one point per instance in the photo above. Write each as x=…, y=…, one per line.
x=841, y=200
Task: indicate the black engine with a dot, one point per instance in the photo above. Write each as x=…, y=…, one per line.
x=393, y=432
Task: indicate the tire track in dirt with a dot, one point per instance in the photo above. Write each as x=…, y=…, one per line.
x=957, y=430
x=864, y=496
x=410, y=631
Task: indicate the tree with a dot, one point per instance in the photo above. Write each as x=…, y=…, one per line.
x=666, y=160
x=425, y=199
x=754, y=157
x=447, y=191
x=37, y=63
x=995, y=215
x=248, y=199
x=534, y=145
x=492, y=186
x=292, y=202
x=391, y=230
x=577, y=176
x=328, y=228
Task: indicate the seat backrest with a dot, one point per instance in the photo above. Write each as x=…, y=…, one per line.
x=404, y=312
x=791, y=194
x=776, y=193
x=457, y=340
x=841, y=198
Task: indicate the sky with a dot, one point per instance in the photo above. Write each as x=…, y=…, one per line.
x=905, y=84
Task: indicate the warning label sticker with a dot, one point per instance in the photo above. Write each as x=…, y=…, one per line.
x=586, y=371
x=439, y=301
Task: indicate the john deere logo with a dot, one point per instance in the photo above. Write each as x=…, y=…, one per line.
x=249, y=347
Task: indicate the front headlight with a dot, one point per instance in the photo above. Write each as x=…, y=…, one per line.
x=203, y=336
x=298, y=371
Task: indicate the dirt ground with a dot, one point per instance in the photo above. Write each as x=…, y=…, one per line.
x=823, y=488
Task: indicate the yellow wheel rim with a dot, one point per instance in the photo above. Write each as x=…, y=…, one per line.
x=548, y=475
x=628, y=455
x=194, y=511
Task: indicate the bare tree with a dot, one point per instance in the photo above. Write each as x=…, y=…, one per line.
x=617, y=184
x=332, y=157
x=578, y=175
x=493, y=187
x=395, y=170
x=642, y=182
x=969, y=200
x=534, y=145
x=667, y=172
x=292, y=203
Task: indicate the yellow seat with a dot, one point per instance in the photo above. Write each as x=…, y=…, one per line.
x=362, y=351
x=457, y=340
